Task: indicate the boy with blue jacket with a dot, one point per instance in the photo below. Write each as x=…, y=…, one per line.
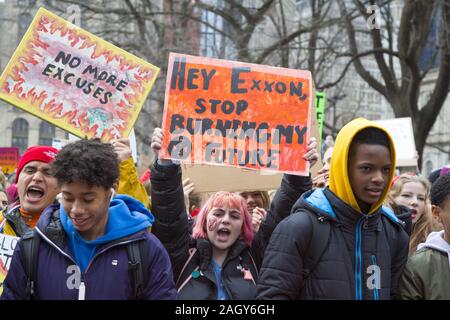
x=84, y=240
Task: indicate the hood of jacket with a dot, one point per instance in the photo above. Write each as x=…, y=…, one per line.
x=126, y=216
x=339, y=180
x=316, y=201
x=435, y=240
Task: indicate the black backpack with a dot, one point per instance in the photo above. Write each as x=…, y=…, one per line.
x=137, y=263
x=319, y=241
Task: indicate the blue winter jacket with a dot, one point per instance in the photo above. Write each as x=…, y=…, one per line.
x=107, y=274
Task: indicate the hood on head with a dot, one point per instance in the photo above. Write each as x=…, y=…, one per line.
x=339, y=180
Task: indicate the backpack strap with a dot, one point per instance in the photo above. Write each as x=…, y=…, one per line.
x=137, y=267
x=29, y=252
x=318, y=243
x=192, y=252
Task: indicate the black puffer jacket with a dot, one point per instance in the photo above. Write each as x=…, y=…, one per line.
x=172, y=228
x=363, y=260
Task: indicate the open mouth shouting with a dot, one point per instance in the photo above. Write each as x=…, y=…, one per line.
x=413, y=214
x=223, y=234
x=34, y=194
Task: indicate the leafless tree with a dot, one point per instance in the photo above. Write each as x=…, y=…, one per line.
x=404, y=46
x=275, y=32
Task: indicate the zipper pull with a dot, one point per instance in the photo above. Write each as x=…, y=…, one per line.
x=366, y=222
x=81, y=291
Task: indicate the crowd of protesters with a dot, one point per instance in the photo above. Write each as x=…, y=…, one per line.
x=355, y=230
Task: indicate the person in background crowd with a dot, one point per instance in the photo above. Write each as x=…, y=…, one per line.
x=434, y=175
x=222, y=258
x=258, y=203
x=326, y=144
x=3, y=200
x=192, y=199
x=84, y=239
x=323, y=175
x=412, y=192
x=364, y=245
x=3, y=181
x=12, y=193
x=426, y=275
x=129, y=182
x=37, y=188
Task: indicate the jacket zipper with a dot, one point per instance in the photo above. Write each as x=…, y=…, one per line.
x=358, y=261
x=82, y=287
x=107, y=248
x=54, y=245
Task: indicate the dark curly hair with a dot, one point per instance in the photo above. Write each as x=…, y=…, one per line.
x=89, y=161
x=440, y=190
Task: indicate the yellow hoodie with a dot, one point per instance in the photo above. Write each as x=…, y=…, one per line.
x=339, y=181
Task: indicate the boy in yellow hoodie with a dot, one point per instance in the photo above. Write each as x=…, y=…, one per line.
x=363, y=249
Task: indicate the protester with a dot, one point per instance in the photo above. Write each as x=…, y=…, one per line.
x=12, y=193
x=434, y=175
x=339, y=243
x=323, y=175
x=192, y=199
x=258, y=202
x=3, y=200
x=222, y=258
x=426, y=275
x=129, y=182
x=84, y=240
x=3, y=181
x=412, y=192
x=36, y=189
x=326, y=144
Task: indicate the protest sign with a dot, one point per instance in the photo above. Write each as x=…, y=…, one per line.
x=75, y=80
x=237, y=114
x=59, y=143
x=238, y=179
x=7, y=245
x=229, y=178
x=320, y=107
x=402, y=133
x=9, y=159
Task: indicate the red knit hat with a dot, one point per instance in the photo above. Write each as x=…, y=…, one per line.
x=40, y=153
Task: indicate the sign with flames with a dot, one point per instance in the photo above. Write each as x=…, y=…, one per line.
x=75, y=80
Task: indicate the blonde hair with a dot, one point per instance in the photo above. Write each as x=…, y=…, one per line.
x=423, y=226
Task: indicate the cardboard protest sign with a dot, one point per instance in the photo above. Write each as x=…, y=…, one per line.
x=402, y=133
x=238, y=179
x=7, y=245
x=9, y=159
x=75, y=80
x=320, y=107
x=237, y=114
x=230, y=178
